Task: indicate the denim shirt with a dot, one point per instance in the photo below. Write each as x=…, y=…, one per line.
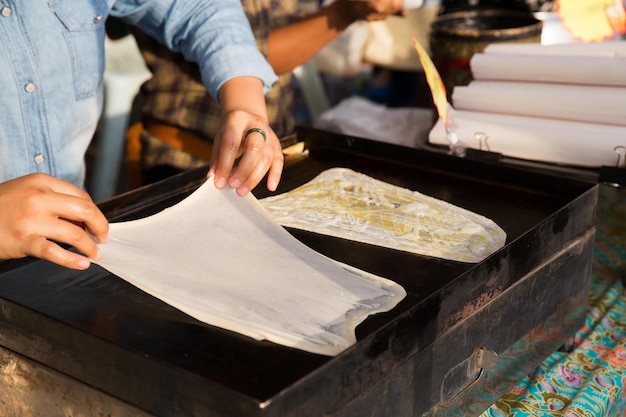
x=52, y=64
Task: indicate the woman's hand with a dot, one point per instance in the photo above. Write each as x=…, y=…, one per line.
x=37, y=211
x=241, y=154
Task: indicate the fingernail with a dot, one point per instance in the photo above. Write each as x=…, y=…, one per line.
x=242, y=191
x=235, y=182
x=220, y=182
x=84, y=263
x=98, y=254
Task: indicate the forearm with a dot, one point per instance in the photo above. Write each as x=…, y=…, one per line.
x=295, y=44
x=243, y=94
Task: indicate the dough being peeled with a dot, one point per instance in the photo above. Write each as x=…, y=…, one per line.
x=222, y=259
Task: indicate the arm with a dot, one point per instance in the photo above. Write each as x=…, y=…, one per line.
x=294, y=44
x=39, y=210
x=217, y=36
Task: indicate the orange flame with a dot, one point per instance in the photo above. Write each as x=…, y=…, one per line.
x=437, y=89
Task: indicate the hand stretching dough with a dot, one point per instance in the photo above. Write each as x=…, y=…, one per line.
x=222, y=259
x=350, y=205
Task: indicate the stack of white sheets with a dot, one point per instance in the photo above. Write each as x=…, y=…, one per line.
x=562, y=104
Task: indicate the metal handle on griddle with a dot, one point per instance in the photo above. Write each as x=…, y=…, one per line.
x=466, y=373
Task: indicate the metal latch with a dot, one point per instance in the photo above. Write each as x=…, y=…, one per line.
x=466, y=373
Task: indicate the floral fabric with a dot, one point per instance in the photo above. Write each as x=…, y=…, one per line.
x=589, y=380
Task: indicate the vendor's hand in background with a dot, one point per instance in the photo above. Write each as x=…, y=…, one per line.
x=38, y=210
x=295, y=44
x=243, y=108
x=370, y=10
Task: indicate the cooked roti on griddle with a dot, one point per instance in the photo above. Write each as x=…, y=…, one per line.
x=343, y=203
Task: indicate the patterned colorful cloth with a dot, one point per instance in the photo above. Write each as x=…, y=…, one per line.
x=590, y=380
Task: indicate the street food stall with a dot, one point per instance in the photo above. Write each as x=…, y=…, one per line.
x=90, y=343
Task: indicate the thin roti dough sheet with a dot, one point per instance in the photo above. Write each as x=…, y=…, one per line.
x=223, y=260
x=344, y=203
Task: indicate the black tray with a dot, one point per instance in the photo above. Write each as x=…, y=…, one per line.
x=104, y=332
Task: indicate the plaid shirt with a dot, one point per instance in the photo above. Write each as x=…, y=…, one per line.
x=175, y=94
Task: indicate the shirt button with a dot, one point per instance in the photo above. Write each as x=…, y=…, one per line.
x=5, y=11
x=29, y=88
x=97, y=19
x=39, y=158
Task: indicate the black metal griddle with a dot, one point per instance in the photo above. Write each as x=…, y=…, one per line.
x=424, y=356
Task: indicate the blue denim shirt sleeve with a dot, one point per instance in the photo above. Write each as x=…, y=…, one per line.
x=214, y=34
x=52, y=60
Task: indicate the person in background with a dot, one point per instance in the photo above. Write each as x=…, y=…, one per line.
x=52, y=56
x=179, y=119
